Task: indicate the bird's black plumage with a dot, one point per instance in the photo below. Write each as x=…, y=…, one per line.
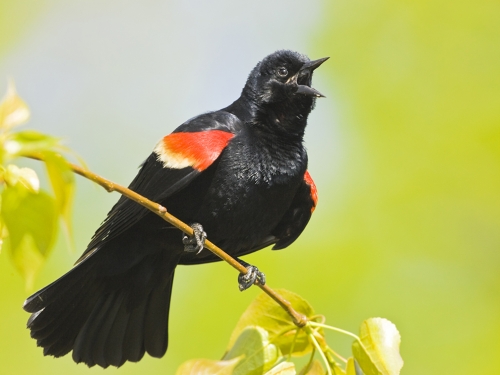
x=241, y=172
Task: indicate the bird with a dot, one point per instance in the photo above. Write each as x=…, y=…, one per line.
x=238, y=175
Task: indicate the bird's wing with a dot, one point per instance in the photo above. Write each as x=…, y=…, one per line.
x=298, y=215
x=177, y=159
x=288, y=229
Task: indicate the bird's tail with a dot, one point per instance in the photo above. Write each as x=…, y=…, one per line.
x=106, y=318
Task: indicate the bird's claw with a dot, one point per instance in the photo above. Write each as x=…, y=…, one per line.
x=196, y=242
x=245, y=281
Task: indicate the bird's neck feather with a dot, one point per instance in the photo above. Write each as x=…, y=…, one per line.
x=284, y=118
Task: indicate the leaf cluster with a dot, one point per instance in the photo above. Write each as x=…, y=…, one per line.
x=265, y=339
x=29, y=215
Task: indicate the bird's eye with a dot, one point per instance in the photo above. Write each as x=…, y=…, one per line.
x=282, y=72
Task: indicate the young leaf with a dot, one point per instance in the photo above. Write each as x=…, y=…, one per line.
x=62, y=180
x=284, y=368
x=31, y=222
x=336, y=370
x=380, y=351
x=351, y=368
x=208, y=367
x=25, y=176
x=27, y=259
x=265, y=313
x=28, y=142
x=259, y=355
x=13, y=110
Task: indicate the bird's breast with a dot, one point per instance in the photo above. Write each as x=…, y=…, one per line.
x=251, y=191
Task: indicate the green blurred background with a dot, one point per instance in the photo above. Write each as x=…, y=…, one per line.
x=405, y=151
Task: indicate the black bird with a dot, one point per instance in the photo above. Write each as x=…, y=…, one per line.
x=239, y=173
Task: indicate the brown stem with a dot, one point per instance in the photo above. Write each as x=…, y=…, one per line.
x=298, y=319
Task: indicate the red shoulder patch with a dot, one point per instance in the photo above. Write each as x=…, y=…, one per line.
x=314, y=192
x=197, y=150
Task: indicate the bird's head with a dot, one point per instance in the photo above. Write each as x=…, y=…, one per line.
x=281, y=82
x=284, y=75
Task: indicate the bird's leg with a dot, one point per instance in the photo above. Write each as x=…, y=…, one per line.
x=245, y=281
x=194, y=243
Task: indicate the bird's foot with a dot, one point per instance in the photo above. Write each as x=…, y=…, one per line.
x=194, y=243
x=245, y=281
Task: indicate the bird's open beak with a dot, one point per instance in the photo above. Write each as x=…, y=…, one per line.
x=307, y=69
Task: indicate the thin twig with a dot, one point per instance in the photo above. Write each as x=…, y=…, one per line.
x=337, y=355
x=318, y=347
x=293, y=345
x=298, y=319
x=316, y=324
x=320, y=340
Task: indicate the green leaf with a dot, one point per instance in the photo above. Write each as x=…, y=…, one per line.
x=62, y=180
x=284, y=368
x=379, y=353
x=364, y=360
x=25, y=176
x=351, y=368
x=30, y=142
x=266, y=313
x=27, y=259
x=31, y=222
x=13, y=110
x=336, y=370
x=259, y=355
x=314, y=368
x=207, y=367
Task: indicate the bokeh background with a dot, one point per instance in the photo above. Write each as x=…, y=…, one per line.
x=405, y=151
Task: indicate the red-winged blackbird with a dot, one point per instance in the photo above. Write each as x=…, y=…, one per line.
x=240, y=172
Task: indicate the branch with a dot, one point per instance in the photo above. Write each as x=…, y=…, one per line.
x=298, y=319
